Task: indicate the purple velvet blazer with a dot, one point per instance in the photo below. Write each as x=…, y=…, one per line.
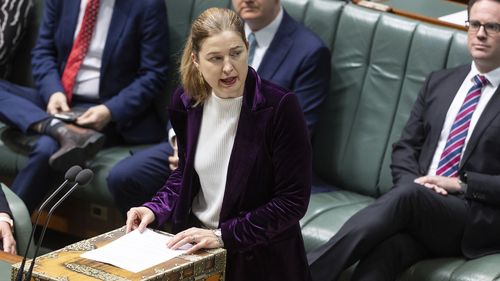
x=267, y=187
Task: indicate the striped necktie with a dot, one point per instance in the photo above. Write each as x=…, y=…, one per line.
x=252, y=43
x=450, y=158
x=80, y=48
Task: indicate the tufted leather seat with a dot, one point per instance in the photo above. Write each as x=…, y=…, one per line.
x=379, y=62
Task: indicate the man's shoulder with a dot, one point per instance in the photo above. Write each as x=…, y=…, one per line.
x=300, y=33
x=460, y=70
x=148, y=4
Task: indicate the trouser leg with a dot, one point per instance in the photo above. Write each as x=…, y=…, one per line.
x=21, y=107
x=33, y=181
x=409, y=207
x=388, y=259
x=136, y=179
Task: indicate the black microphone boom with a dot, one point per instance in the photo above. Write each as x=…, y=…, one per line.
x=70, y=176
x=83, y=178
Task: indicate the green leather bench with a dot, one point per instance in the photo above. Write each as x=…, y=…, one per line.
x=379, y=62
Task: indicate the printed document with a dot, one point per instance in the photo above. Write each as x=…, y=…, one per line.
x=136, y=251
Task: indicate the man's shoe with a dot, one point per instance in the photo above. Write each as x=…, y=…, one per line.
x=77, y=145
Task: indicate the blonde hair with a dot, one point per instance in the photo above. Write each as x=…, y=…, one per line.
x=211, y=22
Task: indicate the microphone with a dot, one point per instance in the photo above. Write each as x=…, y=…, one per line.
x=70, y=176
x=83, y=178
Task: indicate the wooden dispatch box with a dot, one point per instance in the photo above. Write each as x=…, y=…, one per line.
x=67, y=265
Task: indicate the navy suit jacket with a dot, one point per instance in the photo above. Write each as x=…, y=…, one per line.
x=413, y=153
x=298, y=60
x=134, y=62
x=267, y=188
x=4, y=205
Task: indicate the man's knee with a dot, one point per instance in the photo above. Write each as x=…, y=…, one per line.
x=44, y=147
x=120, y=176
x=408, y=191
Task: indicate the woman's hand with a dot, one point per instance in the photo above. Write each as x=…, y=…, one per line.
x=139, y=217
x=199, y=237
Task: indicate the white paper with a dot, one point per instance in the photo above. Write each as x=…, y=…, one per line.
x=458, y=18
x=136, y=251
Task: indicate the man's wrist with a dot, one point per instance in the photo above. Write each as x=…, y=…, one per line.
x=7, y=220
x=463, y=185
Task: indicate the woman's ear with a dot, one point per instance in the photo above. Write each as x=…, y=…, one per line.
x=194, y=57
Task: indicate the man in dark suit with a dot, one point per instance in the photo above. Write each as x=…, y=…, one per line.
x=7, y=241
x=285, y=52
x=121, y=69
x=446, y=172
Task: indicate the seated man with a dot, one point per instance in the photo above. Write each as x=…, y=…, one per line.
x=108, y=57
x=7, y=242
x=282, y=51
x=446, y=197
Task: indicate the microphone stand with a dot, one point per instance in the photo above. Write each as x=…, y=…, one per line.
x=69, y=177
x=83, y=178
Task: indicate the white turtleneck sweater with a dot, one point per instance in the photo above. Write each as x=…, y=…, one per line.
x=215, y=144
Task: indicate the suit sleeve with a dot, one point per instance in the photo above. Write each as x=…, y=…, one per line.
x=312, y=83
x=44, y=55
x=4, y=205
x=291, y=161
x=483, y=188
x=152, y=73
x=406, y=151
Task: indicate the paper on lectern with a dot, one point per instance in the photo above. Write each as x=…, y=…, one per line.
x=136, y=251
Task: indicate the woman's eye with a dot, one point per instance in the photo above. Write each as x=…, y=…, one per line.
x=215, y=59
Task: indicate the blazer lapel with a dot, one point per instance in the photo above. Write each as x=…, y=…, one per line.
x=250, y=137
x=277, y=51
x=69, y=16
x=445, y=95
x=248, y=142
x=121, y=12
x=490, y=112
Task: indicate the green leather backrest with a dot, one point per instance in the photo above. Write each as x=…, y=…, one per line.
x=180, y=16
x=379, y=62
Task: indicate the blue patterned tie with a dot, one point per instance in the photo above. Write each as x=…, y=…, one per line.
x=450, y=158
x=252, y=43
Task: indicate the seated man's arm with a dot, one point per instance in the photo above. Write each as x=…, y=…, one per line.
x=406, y=151
x=151, y=75
x=6, y=225
x=44, y=61
x=312, y=84
x=483, y=187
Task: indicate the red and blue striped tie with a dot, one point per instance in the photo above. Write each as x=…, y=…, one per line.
x=450, y=158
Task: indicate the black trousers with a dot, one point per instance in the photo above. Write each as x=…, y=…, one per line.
x=405, y=225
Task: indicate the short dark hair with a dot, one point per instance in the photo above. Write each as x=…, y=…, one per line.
x=472, y=2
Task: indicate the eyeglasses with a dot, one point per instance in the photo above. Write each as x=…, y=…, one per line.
x=489, y=27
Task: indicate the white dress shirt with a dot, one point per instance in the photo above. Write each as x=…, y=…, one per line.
x=88, y=76
x=487, y=92
x=264, y=37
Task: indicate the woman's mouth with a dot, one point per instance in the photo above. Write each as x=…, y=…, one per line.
x=228, y=81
